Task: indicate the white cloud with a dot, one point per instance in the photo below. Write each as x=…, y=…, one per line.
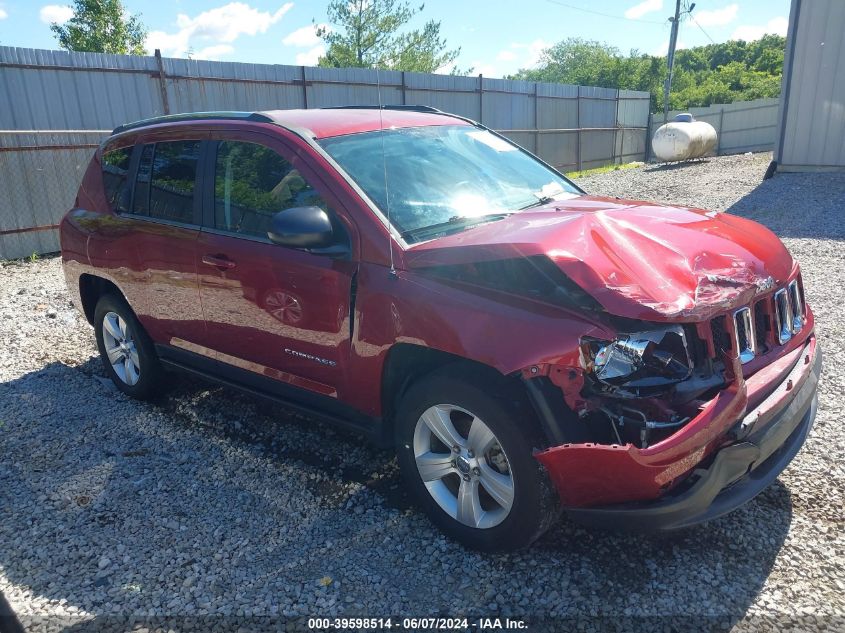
x=215, y=52
x=506, y=56
x=55, y=13
x=172, y=44
x=3, y=15
x=223, y=24
x=535, y=51
x=663, y=49
x=717, y=17
x=517, y=55
x=488, y=70
x=310, y=57
x=777, y=26
x=644, y=7
x=305, y=36
x=530, y=53
x=226, y=23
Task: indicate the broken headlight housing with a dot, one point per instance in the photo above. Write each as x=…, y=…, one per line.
x=641, y=361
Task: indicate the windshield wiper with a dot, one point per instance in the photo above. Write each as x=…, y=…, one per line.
x=457, y=222
x=541, y=200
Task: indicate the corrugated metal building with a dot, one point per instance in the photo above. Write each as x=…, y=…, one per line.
x=812, y=112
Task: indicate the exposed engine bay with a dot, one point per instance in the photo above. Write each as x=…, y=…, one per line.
x=644, y=385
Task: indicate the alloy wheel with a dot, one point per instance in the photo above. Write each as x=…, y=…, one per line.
x=463, y=466
x=120, y=348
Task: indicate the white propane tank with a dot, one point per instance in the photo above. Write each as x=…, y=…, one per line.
x=683, y=138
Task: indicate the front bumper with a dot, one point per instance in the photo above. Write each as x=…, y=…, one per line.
x=766, y=439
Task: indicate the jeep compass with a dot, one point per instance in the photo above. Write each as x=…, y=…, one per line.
x=527, y=349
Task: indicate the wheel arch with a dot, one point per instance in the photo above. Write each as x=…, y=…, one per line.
x=91, y=288
x=407, y=363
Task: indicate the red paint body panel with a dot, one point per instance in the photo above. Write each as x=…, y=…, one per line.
x=328, y=122
x=638, y=260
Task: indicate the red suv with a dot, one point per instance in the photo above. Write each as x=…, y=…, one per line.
x=524, y=346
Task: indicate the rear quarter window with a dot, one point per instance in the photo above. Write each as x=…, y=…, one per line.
x=116, y=185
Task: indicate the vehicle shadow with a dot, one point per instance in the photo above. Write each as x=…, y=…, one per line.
x=104, y=476
x=797, y=205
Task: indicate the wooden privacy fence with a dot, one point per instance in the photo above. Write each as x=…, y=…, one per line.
x=56, y=106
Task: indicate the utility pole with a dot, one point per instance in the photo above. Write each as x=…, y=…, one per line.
x=670, y=59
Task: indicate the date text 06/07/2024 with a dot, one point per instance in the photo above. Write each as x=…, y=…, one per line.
x=415, y=624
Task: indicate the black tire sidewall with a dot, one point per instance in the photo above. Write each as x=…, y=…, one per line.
x=515, y=429
x=150, y=369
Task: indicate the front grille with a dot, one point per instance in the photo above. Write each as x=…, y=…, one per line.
x=761, y=325
x=774, y=319
x=746, y=341
x=783, y=316
x=797, y=304
x=721, y=338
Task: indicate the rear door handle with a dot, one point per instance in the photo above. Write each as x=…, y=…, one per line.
x=218, y=261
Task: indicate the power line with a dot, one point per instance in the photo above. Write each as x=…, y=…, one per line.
x=702, y=29
x=605, y=15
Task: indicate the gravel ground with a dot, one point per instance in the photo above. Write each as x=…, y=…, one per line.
x=209, y=502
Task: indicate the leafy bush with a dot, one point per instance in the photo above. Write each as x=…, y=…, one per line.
x=716, y=73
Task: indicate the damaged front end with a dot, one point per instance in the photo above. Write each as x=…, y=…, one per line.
x=643, y=385
x=676, y=326
x=646, y=412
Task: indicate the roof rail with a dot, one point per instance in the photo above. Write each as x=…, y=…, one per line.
x=193, y=116
x=413, y=108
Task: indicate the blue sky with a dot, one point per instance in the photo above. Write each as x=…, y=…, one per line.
x=496, y=38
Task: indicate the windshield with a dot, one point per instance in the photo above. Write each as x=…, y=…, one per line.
x=445, y=178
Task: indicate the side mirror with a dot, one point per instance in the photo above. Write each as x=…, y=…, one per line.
x=301, y=227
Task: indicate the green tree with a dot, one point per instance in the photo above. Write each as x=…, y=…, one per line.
x=367, y=34
x=578, y=61
x=716, y=73
x=101, y=26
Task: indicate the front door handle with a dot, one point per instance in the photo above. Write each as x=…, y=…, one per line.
x=218, y=261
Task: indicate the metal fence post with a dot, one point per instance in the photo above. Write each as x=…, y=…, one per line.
x=622, y=146
x=480, y=98
x=403, y=88
x=621, y=130
x=719, y=135
x=304, y=88
x=578, y=162
x=536, y=118
x=162, y=85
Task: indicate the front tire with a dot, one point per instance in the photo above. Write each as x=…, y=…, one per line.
x=466, y=456
x=126, y=350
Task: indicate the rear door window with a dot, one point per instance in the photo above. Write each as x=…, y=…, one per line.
x=166, y=181
x=116, y=183
x=141, y=200
x=173, y=181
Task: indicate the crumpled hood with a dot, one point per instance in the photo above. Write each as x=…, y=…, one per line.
x=638, y=260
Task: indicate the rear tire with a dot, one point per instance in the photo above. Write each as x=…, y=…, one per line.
x=486, y=491
x=126, y=350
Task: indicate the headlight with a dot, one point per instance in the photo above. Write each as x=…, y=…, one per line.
x=654, y=358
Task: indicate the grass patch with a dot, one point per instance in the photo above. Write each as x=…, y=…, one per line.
x=602, y=170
